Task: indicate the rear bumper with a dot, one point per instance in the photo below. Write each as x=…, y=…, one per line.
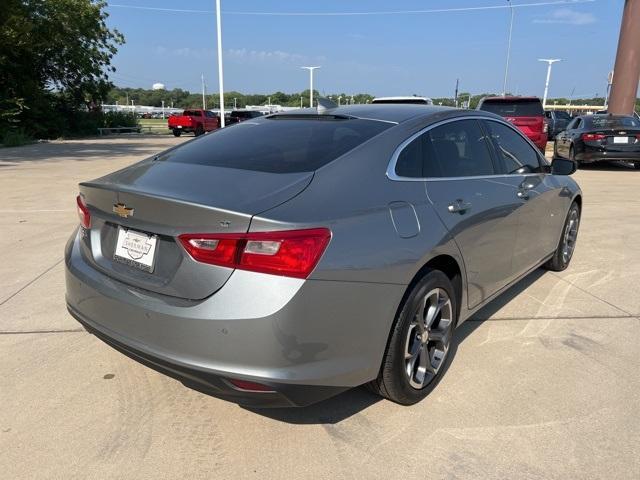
x=284, y=395
x=307, y=339
x=595, y=154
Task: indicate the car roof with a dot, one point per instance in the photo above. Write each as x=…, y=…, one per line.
x=507, y=98
x=387, y=112
x=402, y=97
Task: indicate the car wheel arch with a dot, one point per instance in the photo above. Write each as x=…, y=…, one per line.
x=444, y=263
x=578, y=200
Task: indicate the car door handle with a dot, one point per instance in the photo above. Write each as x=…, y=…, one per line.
x=523, y=194
x=459, y=206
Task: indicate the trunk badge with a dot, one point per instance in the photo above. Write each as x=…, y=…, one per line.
x=122, y=210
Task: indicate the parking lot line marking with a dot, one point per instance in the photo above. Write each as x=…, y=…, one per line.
x=31, y=282
x=593, y=295
x=36, y=211
x=563, y=317
x=26, y=332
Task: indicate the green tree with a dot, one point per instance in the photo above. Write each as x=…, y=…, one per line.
x=55, y=58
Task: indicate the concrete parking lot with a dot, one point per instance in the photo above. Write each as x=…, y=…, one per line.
x=545, y=382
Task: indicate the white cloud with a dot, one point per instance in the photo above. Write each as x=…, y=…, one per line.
x=183, y=52
x=568, y=16
x=243, y=55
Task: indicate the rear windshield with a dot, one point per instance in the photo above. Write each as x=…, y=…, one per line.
x=514, y=108
x=611, y=122
x=192, y=113
x=563, y=115
x=278, y=145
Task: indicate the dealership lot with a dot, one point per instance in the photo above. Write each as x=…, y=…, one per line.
x=545, y=383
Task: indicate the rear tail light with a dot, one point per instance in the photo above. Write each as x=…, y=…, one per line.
x=638, y=136
x=593, y=137
x=247, y=386
x=290, y=253
x=83, y=212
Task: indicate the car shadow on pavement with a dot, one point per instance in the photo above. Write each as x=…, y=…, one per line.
x=353, y=401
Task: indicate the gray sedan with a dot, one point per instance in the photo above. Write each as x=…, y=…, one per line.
x=287, y=258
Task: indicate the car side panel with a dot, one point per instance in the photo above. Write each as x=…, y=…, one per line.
x=352, y=197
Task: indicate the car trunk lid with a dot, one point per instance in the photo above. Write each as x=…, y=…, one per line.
x=168, y=199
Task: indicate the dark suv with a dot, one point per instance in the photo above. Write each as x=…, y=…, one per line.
x=238, y=116
x=526, y=113
x=557, y=122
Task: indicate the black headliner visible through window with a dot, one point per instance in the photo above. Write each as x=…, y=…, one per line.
x=293, y=143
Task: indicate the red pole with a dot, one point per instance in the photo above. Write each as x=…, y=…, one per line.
x=627, y=68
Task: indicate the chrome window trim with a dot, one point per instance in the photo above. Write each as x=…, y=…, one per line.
x=391, y=168
x=378, y=120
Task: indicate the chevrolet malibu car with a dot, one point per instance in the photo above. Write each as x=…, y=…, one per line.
x=600, y=138
x=285, y=259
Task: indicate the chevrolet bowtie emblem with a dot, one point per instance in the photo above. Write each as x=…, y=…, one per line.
x=122, y=210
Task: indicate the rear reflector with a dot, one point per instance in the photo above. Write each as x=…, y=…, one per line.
x=290, y=253
x=250, y=386
x=593, y=137
x=83, y=212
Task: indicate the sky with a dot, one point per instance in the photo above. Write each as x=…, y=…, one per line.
x=383, y=54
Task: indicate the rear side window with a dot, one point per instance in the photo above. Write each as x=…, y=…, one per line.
x=410, y=162
x=611, y=122
x=455, y=149
x=515, y=153
x=278, y=145
x=563, y=115
x=514, y=108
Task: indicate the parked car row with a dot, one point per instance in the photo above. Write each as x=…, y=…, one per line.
x=199, y=121
x=600, y=138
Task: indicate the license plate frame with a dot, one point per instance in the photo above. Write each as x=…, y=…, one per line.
x=136, y=249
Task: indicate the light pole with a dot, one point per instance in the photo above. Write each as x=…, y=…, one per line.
x=550, y=61
x=220, y=75
x=506, y=67
x=311, y=69
x=204, y=100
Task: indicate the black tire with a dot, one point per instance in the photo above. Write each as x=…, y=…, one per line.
x=636, y=165
x=398, y=376
x=176, y=132
x=572, y=155
x=199, y=130
x=555, y=149
x=562, y=257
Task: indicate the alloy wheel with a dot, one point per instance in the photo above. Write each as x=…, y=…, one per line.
x=570, y=235
x=428, y=338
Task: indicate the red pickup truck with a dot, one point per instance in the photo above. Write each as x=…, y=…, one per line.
x=526, y=113
x=196, y=121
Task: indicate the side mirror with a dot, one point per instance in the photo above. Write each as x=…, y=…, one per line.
x=562, y=166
